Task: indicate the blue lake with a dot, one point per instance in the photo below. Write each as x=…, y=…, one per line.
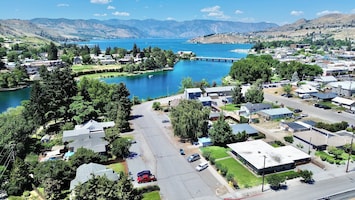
x=161, y=83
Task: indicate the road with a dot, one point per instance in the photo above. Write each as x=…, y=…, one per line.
x=318, y=190
x=177, y=178
x=328, y=115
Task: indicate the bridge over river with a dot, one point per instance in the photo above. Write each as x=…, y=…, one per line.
x=215, y=59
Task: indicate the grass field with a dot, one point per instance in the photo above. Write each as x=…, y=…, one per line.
x=230, y=107
x=216, y=152
x=118, y=167
x=82, y=68
x=243, y=176
x=151, y=196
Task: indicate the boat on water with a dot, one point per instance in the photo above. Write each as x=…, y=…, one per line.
x=150, y=76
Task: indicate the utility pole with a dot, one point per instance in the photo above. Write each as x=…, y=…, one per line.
x=350, y=153
x=262, y=186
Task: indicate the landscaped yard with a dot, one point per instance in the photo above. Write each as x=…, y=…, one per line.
x=118, y=167
x=216, y=152
x=230, y=107
x=81, y=68
x=151, y=195
x=242, y=175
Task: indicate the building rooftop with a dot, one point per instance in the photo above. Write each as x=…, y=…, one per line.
x=238, y=128
x=276, y=111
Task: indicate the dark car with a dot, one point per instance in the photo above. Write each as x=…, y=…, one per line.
x=297, y=110
x=193, y=157
x=182, y=152
x=144, y=172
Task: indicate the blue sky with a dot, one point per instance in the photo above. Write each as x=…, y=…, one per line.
x=276, y=11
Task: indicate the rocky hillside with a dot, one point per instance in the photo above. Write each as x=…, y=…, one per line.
x=68, y=29
x=338, y=26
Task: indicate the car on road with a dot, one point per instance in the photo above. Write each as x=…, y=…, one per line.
x=202, y=166
x=304, y=115
x=297, y=110
x=193, y=157
x=182, y=152
x=165, y=121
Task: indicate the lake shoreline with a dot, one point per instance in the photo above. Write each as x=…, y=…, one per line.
x=13, y=89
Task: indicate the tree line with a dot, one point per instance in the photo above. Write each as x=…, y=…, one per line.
x=61, y=102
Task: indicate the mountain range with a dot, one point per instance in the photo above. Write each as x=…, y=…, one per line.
x=70, y=29
x=338, y=26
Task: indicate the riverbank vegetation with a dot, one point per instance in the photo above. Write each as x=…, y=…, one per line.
x=58, y=103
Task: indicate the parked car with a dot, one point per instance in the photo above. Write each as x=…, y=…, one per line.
x=146, y=178
x=202, y=166
x=144, y=172
x=297, y=110
x=304, y=115
x=165, y=121
x=182, y=152
x=193, y=157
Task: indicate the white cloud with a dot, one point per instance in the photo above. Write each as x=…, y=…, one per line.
x=101, y=1
x=100, y=15
x=296, y=12
x=170, y=18
x=111, y=7
x=238, y=12
x=125, y=14
x=62, y=5
x=214, y=12
x=326, y=12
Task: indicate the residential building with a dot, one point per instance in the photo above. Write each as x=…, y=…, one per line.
x=89, y=135
x=275, y=113
x=343, y=88
x=250, y=108
x=86, y=171
x=239, y=128
x=343, y=102
x=261, y=157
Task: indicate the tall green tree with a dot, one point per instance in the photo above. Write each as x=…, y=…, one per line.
x=221, y=133
x=52, y=52
x=254, y=94
x=84, y=156
x=237, y=94
x=120, y=147
x=19, y=179
x=189, y=119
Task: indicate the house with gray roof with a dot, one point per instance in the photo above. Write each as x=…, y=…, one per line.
x=89, y=135
x=86, y=171
x=239, y=128
x=250, y=108
x=343, y=88
x=275, y=113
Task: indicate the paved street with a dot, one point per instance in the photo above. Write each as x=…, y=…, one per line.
x=158, y=152
x=330, y=116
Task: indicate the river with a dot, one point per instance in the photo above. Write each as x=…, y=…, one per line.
x=160, y=83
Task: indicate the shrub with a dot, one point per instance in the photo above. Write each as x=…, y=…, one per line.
x=279, y=143
x=206, y=154
x=212, y=160
x=323, y=157
x=149, y=188
x=229, y=176
x=288, y=139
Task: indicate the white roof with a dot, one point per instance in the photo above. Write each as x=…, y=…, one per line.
x=193, y=90
x=343, y=101
x=254, y=152
x=343, y=84
x=219, y=89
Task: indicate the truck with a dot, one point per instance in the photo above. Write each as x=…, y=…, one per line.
x=146, y=178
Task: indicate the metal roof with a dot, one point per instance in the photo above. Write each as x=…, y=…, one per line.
x=238, y=128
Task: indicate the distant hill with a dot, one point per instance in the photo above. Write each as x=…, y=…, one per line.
x=337, y=26
x=69, y=29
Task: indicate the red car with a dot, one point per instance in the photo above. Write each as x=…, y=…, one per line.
x=146, y=178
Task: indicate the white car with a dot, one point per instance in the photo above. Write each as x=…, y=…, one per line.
x=202, y=166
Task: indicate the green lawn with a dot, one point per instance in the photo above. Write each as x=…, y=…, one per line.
x=117, y=167
x=230, y=107
x=216, y=151
x=151, y=196
x=242, y=175
x=104, y=75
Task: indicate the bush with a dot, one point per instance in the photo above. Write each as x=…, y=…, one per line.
x=288, y=139
x=323, y=157
x=279, y=143
x=206, y=154
x=149, y=188
x=229, y=176
x=212, y=160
